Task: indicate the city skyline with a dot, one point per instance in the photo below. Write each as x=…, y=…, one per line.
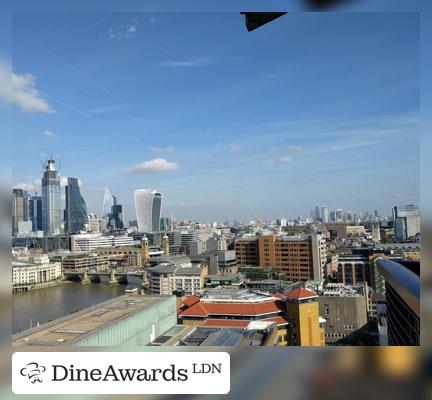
x=332, y=214
x=215, y=128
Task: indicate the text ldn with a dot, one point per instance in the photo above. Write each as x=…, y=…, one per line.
x=204, y=368
x=62, y=373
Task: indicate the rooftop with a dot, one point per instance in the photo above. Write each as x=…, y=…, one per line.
x=301, y=294
x=204, y=310
x=234, y=295
x=73, y=328
x=251, y=335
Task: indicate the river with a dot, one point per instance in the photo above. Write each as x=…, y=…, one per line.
x=43, y=305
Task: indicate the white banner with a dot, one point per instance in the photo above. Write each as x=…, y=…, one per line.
x=120, y=373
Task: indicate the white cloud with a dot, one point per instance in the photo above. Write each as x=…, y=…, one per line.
x=234, y=148
x=155, y=165
x=64, y=181
x=32, y=186
x=195, y=62
x=26, y=96
x=48, y=134
x=21, y=90
x=124, y=31
x=168, y=149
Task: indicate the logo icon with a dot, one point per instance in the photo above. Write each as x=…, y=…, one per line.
x=32, y=371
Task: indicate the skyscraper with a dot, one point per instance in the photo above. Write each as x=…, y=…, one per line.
x=324, y=214
x=406, y=221
x=317, y=214
x=402, y=292
x=35, y=212
x=148, y=205
x=51, y=200
x=76, y=210
x=165, y=224
x=108, y=202
x=115, y=220
x=19, y=208
x=332, y=216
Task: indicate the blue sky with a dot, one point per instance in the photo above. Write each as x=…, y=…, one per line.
x=311, y=109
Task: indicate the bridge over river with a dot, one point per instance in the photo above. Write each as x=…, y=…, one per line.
x=115, y=277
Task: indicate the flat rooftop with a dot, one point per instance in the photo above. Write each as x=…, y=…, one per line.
x=183, y=335
x=73, y=328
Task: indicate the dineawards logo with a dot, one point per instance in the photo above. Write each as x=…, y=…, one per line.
x=121, y=372
x=33, y=371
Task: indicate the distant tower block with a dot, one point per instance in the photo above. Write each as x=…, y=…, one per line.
x=165, y=245
x=376, y=234
x=145, y=249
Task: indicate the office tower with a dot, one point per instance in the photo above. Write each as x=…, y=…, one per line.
x=356, y=219
x=376, y=214
x=312, y=213
x=307, y=327
x=35, y=212
x=94, y=224
x=354, y=268
x=282, y=222
x=317, y=214
x=299, y=258
x=148, y=205
x=406, y=220
x=165, y=224
x=51, y=200
x=339, y=215
x=19, y=208
x=108, y=202
x=376, y=232
x=247, y=251
x=402, y=292
x=325, y=214
x=115, y=218
x=76, y=211
x=332, y=216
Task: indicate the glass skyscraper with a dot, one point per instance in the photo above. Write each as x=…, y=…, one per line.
x=51, y=200
x=406, y=221
x=148, y=206
x=108, y=202
x=76, y=210
x=35, y=212
x=115, y=220
x=19, y=208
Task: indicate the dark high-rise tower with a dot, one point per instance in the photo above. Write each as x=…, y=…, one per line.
x=51, y=200
x=35, y=212
x=116, y=216
x=19, y=208
x=76, y=210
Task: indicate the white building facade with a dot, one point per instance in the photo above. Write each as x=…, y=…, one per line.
x=91, y=241
x=148, y=206
x=34, y=275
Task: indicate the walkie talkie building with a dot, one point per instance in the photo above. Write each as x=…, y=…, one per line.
x=148, y=205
